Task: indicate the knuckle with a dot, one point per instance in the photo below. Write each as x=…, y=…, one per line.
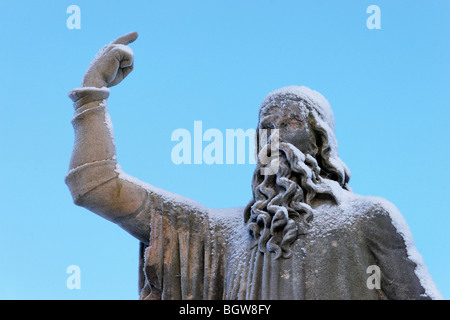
x=121, y=47
x=123, y=53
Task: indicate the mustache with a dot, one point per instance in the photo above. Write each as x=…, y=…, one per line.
x=269, y=156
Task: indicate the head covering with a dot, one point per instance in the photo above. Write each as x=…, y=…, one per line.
x=312, y=99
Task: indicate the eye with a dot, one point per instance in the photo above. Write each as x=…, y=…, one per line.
x=267, y=125
x=296, y=123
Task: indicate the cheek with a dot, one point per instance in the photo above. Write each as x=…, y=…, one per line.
x=300, y=138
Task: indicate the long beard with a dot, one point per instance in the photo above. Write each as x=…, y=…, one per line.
x=281, y=207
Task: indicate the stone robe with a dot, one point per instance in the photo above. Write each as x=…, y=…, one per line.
x=188, y=251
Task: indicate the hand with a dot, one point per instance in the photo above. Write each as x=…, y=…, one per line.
x=112, y=63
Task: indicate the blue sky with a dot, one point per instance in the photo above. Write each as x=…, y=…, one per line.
x=213, y=61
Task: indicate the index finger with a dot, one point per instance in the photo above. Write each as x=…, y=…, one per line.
x=126, y=39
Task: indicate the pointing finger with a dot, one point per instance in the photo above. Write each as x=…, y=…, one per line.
x=126, y=39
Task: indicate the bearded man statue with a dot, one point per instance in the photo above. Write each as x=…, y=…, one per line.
x=303, y=235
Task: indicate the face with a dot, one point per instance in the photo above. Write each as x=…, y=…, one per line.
x=292, y=125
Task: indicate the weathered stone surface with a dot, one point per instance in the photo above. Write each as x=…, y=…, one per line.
x=304, y=235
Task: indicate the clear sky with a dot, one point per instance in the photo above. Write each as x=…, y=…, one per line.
x=213, y=61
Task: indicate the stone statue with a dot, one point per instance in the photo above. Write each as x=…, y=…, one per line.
x=304, y=235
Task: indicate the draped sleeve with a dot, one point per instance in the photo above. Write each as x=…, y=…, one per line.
x=181, y=246
x=404, y=275
x=184, y=258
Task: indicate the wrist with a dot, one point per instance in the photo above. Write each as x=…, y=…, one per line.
x=94, y=81
x=85, y=95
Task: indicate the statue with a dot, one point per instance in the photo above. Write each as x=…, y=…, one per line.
x=304, y=235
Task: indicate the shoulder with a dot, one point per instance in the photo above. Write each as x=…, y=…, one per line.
x=230, y=222
x=383, y=228
x=373, y=213
x=380, y=211
x=366, y=214
x=366, y=205
x=352, y=211
x=228, y=218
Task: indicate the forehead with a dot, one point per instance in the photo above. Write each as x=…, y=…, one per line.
x=286, y=109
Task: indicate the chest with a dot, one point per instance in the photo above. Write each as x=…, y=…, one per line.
x=331, y=266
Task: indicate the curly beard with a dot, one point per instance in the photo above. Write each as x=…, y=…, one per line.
x=281, y=207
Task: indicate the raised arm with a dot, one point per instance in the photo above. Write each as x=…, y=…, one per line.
x=93, y=177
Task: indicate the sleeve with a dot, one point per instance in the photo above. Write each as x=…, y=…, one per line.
x=399, y=279
x=96, y=180
x=184, y=259
x=180, y=251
